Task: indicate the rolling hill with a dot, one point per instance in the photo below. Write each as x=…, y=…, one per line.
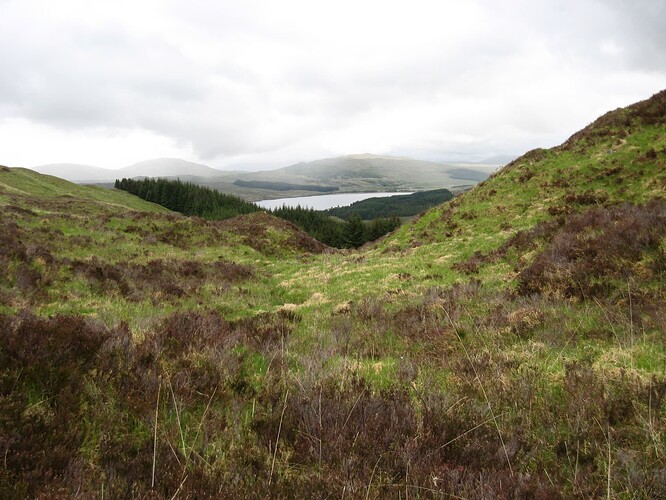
x=169, y=167
x=159, y=167
x=77, y=173
x=354, y=173
x=399, y=205
x=367, y=172
x=508, y=343
x=26, y=186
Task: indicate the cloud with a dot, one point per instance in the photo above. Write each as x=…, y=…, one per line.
x=294, y=80
x=638, y=33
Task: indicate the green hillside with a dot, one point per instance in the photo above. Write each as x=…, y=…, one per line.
x=191, y=199
x=399, y=205
x=27, y=186
x=367, y=172
x=508, y=343
x=352, y=173
x=349, y=174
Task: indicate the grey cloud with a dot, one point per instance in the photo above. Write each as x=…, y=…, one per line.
x=81, y=81
x=642, y=22
x=491, y=78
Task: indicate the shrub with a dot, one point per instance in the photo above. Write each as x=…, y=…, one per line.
x=44, y=367
x=594, y=248
x=11, y=237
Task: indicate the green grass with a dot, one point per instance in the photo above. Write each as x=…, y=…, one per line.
x=350, y=372
x=21, y=181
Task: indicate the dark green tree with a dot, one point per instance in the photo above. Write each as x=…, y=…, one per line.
x=191, y=199
x=353, y=234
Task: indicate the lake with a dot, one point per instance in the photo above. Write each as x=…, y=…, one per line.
x=324, y=201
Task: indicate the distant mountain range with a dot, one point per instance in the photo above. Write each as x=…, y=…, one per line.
x=377, y=173
x=77, y=173
x=159, y=167
x=352, y=173
x=498, y=160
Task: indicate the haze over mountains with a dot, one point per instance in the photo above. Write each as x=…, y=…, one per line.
x=158, y=167
x=351, y=173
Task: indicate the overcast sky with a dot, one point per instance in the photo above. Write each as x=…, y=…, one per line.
x=270, y=83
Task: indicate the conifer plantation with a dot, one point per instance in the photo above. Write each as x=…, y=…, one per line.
x=191, y=199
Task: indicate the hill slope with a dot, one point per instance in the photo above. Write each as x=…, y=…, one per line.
x=24, y=187
x=168, y=167
x=399, y=205
x=354, y=173
x=376, y=173
x=509, y=343
x=77, y=173
x=158, y=167
x=619, y=158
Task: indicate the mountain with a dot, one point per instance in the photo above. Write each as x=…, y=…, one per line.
x=159, y=167
x=168, y=167
x=387, y=169
x=498, y=160
x=469, y=174
x=358, y=173
x=352, y=173
x=509, y=343
x=77, y=173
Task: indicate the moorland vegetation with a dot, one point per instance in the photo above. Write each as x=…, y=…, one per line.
x=508, y=343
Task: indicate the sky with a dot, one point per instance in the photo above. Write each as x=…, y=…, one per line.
x=259, y=84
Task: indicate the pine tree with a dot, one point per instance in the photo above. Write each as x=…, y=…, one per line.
x=353, y=234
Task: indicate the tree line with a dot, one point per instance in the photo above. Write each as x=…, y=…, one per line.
x=192, y=199
x=400, y=205
x=187, y=198
x=285, y=186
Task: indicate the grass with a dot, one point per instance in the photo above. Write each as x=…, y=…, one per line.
x=489, y=348
x=21, y=181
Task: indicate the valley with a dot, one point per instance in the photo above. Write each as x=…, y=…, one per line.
x=506, y=343
x=346, y=174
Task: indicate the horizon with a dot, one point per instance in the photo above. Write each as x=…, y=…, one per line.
x=484, y=163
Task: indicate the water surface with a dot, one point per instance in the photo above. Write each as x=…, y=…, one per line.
x=324, y=201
